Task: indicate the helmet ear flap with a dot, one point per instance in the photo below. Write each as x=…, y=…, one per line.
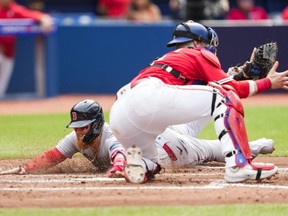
x=92, y=134
x=95, y=130
x=213, y=40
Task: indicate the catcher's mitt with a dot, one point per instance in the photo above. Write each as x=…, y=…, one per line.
x=264, y=58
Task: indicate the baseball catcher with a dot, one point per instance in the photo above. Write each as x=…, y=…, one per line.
x=169, y=92
x=260, y=63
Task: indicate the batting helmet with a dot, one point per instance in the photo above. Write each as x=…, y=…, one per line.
x=190, y=30
x=84, y=113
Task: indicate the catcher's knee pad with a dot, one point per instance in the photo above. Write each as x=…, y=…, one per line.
x=232, y=100
x=235, y=127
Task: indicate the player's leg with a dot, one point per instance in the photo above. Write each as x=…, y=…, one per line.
x=192, y=128
x=141, y=113
x=177, y=150
x=261, y=146
x=230, y=128
x=150, y=107
x=6, y=69
x=212, y=148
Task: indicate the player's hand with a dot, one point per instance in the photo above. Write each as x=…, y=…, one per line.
x=240, y=72
x=117, y=169
x=19, y=171
x=232, y=71
x=250, y=70
x=253, y=54
x=278, y=79
x=47, y=23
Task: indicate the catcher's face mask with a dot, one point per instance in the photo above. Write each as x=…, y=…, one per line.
x=214, y=41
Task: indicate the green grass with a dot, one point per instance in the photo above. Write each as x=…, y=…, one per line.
x=24, y=136
x=231, y=210
x=269, y=122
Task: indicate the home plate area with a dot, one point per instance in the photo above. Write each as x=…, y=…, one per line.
x=66, y=186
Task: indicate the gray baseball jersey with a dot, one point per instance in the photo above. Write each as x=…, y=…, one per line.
x=108, y=146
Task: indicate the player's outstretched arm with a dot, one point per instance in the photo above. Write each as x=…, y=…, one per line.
x=261, y=61
x=46, y=160
x=118, y=165
x=18, y=170
x=47, y=23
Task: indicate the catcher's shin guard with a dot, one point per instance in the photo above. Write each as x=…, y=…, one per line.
x=235, y=127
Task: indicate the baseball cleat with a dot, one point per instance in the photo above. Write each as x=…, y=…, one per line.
x=255, y=171
x=262, y=146
x=135, y=172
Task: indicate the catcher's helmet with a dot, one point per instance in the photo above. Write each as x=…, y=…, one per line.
x=84, y=113
x=190, y=30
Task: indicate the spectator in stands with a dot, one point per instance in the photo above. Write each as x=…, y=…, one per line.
x=114, y=9
x=285, y=13
x=36, y=5
x=199, y=10
x=178, y=9
x=144, y=11
x=247, y=10
x=10, y=9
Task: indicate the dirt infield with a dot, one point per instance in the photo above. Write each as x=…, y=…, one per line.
x=66, y=186
x=74, y=183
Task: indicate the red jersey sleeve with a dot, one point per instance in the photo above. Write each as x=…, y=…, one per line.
x=15, y=10
x=48, y=159
x=22, y=12
x=200, y=67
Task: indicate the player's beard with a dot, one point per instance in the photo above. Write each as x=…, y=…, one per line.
x=94, y=144
x=81, y=145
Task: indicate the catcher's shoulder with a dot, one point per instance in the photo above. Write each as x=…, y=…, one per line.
x=211, y=57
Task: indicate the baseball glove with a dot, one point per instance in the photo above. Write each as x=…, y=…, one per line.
x=264, y=58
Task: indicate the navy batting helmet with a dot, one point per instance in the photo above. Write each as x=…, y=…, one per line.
x=84, y=113
x=190, y=30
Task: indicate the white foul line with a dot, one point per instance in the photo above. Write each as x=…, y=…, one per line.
x=217, y=184
x=115, y=188
x=209, y=187
x=99, y=179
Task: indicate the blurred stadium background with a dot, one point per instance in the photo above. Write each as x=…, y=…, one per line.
x=88, y=54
